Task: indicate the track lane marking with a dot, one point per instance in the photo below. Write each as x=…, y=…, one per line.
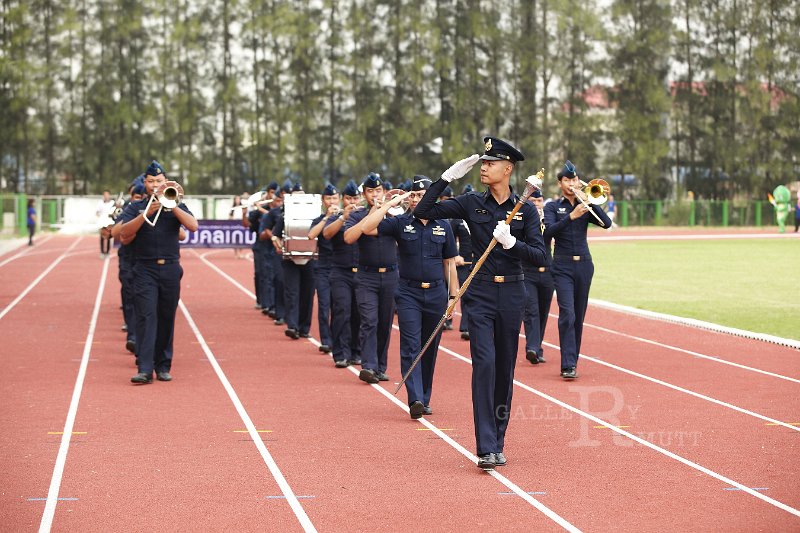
x=499, y=477
x=69, y=424
x=24, y=252
x=41, y=276
x=689, y=352
x=663, y=451
x=299, y=512
x=680, y=389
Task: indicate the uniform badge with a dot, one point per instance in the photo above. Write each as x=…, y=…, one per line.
x=482, y=211
x=517, y=215
x=409, y=229
x=488, y=145
x=562, y=209
x=438, y=230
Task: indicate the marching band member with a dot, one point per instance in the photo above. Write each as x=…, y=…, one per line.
x=272, y=279
x=322, y=266
x=105, y=208
x=463, y=260
x=426, y=249
x=566, y=220
x=346, y=322
x=126, y=261
x=298, y=283
x=539, y=285
x=157, y=275
x=493, y=298
x=377, y=281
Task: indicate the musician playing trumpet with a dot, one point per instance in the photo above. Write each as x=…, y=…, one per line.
x=157, y=273
x=566, y=221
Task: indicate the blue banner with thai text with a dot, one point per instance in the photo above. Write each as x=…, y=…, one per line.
x=219, y=234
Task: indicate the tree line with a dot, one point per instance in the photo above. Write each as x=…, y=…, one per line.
x=697, y=95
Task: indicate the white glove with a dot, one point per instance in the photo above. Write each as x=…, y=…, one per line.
x=460, y=168
x=502, y=234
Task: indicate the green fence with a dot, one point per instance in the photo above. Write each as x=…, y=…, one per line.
x=698, y=213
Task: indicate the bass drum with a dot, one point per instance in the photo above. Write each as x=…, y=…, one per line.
x=299, y=212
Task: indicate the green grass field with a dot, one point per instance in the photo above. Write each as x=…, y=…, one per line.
x=749, y=284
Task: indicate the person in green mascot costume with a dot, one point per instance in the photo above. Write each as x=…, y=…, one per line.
x=780, y=198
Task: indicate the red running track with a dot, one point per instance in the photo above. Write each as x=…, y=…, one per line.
x=338, y=455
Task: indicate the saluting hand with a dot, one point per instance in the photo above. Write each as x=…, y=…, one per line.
x=460, y=168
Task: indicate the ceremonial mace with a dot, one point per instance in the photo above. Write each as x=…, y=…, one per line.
x=531, y=184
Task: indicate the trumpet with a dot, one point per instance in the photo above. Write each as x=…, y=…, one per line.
x=595, y=193
x=169, y=194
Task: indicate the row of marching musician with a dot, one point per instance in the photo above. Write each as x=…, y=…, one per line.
x=149, y=226
x=382, y=251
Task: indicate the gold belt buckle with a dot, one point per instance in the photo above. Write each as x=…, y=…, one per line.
x=161, y=261
x=542, y=269
x=382, y=270
x=354, y=269
x=576, y=258
x=499, y=279
x=425, y=285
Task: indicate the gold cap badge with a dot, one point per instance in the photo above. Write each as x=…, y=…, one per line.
x=488, y=145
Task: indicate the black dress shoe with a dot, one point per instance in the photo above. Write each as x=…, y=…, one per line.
x=486, y=461
x=465, y=335
x=368, y=376
x=324, y=348
x=381, y=376
x=279, y=322
x=447, y=326
x=163, y=376
x=428, y=411
x=569, y=373
x=530, y=355
x=540, y=358
x=130, y=346
x=142, y=378
x=124, y=327
x=265, y=311
x=416, y=410
x=305, y=335
x=341, y=364
x=292, y=333
x=271, y=313
x=499, y=459
x=356, y=361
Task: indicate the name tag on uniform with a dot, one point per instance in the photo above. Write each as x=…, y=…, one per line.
x=409, y=229
x=562, y=209
x=482, y=211
x=517, y=216
x=438, y=230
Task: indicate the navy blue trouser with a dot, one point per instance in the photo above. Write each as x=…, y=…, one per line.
x=345, y=323
x=258, y=265
x=418, y=313
x=276, y=263
x=126, y=291
x=572, y=280
x=266, y=276
x=539, y=286
x=463, y=274
x=375, y=297
x=157, y=289
x=298, y=295
x=322, y=280
x=495, y=318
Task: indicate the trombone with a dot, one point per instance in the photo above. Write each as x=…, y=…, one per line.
x=255, y=199
x=595, y=193
x=169, y=194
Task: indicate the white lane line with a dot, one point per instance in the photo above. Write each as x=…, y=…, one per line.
x=552, y=515
x=251, y=428
x=690, y=352
x=69, y=424
x=41, y=276
x=681, y=389
x=698, y=324
x=499, y=477
x=643, y=442
x=26, y=251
